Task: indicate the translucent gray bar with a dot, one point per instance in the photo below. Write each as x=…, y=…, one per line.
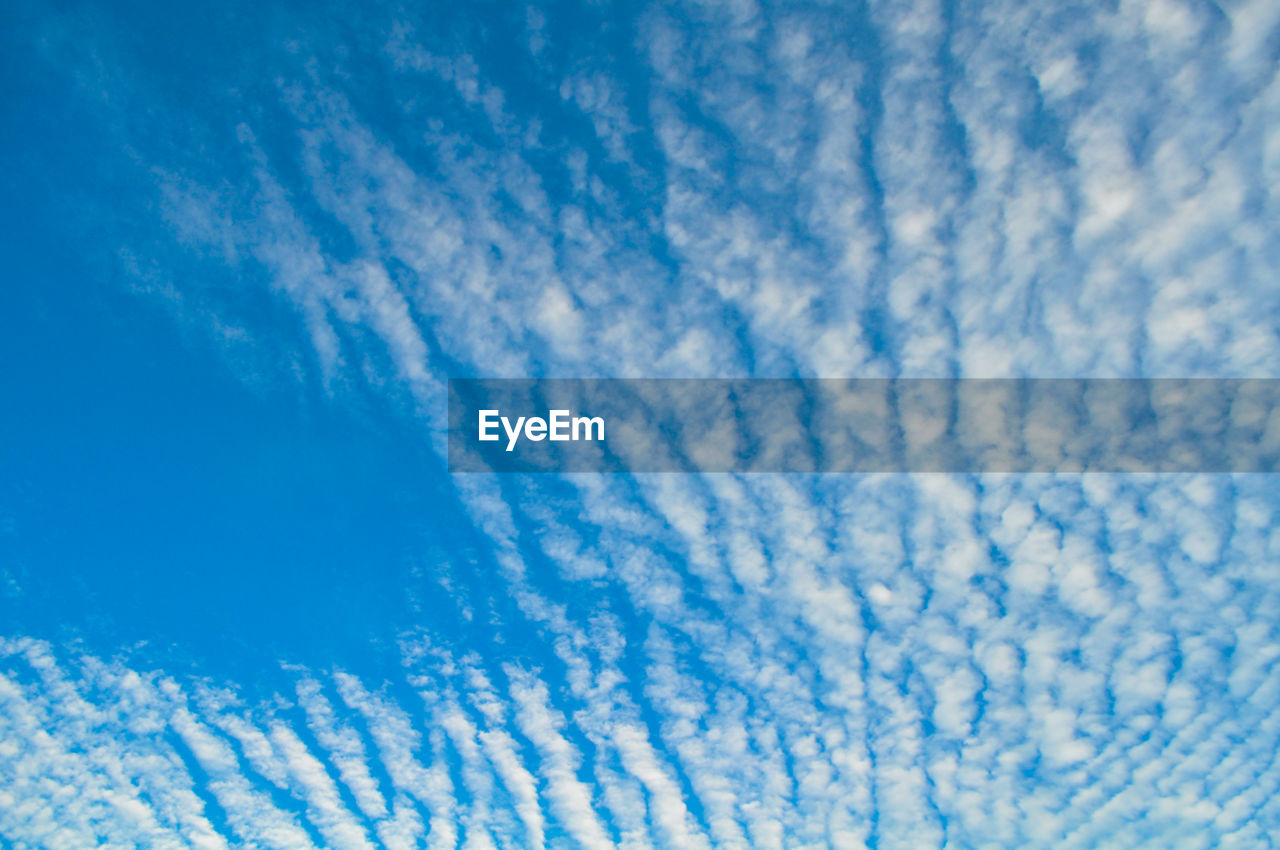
x=874, y=425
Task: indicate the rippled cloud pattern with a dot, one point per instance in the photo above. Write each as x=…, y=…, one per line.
x=333, y=212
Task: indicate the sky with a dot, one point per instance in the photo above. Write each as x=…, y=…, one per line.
x=243, y=602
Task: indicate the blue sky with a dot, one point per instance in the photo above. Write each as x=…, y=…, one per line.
x=243, y=604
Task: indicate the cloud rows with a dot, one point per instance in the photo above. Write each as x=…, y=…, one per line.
x=892, y=661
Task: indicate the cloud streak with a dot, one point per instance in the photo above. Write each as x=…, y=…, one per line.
x=734, y=661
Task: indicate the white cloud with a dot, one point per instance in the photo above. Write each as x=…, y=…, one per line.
x=904, y=661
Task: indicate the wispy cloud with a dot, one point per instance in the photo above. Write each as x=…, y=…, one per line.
x=888, y=661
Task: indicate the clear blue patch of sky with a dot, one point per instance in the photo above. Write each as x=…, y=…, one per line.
x=147, y=495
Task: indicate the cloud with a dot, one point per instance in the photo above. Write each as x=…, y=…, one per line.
x=889, y=661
